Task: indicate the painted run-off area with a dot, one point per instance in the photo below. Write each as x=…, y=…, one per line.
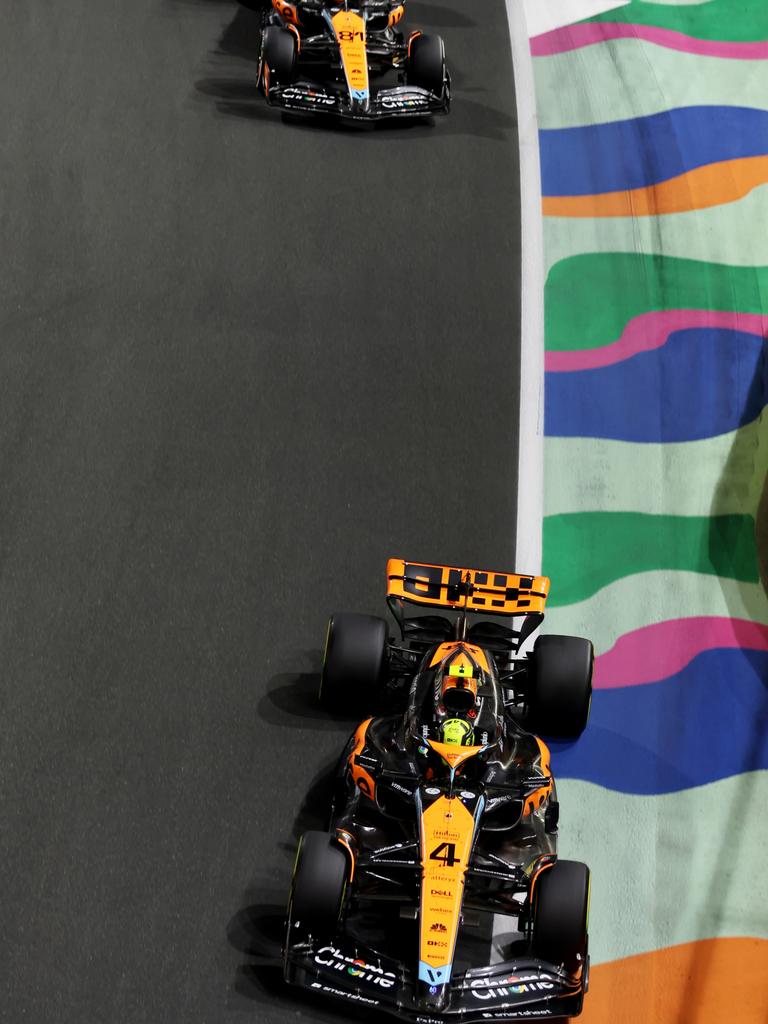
x=654, y=162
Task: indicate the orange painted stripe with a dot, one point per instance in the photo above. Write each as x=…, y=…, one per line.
x=711, y=185
x=715, y=981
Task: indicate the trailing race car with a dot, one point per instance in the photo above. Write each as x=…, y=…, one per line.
x=437, y=894
x=348, y=58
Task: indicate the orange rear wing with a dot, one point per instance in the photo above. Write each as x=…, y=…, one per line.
x=472, y=590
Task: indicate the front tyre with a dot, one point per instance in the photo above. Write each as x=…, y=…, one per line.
x=561, y=914
x=318, y=886
x=426, y=64
x=277, y=59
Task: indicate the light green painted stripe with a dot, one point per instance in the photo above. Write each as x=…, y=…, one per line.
x=586, y=551
x=669, y=869
x=649, y=597
x=592, y=298
x=733, y=233
x=622, y=79
x=731, y=20
x=717, y=476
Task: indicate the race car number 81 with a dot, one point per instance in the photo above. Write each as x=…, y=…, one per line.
x=347, y=35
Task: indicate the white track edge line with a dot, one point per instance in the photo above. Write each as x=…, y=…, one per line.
x=530, y=451
x=530, y=462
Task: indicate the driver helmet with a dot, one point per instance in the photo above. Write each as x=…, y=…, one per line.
x=457, y=732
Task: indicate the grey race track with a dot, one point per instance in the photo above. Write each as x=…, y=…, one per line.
x=241, y=363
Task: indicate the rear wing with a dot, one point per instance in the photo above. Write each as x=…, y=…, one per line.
x=469, y=590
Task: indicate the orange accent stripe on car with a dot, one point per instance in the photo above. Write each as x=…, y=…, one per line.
x=395, y=15
x=545, y=758
x=286, y=11
x=292, y=28
x=538, y=796
x=476, y=653
x=362, y=779
x=346, y=841
x=548, y=863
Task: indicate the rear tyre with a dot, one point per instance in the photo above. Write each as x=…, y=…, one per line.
x=353, y=663
x=426, y=64
x=560, y=686
x=277, y=60
x=561, y=914
x=318, y=885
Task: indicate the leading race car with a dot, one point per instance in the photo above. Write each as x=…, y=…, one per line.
x=436, y=894
x=349, y=58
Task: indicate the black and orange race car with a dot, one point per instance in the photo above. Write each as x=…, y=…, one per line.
x=436, y=894
x=349, y=58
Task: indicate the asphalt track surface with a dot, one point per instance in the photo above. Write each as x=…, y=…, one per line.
x=242, y=362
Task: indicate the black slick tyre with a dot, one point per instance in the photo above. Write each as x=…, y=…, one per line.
x=353, y=663
x=319, y=883
x=277, y=60
x=426, y=64
x=561, y=914
x=560, y=686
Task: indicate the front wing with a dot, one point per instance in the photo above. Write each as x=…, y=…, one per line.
x=397, y=101
x=519, y=989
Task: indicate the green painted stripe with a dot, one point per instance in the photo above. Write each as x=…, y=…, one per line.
x=722, y=475
x=633, y=602
x=590, y=299
x=743, y=21
x=669, y=869
x=585, y=551
x=732, y=234
x=629, y=78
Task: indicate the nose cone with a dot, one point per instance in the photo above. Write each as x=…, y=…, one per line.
x=360, y=101
x=432, y=997
x=350, y=32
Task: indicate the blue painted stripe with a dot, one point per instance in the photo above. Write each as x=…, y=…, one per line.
x=707, y=722
x=434, y=975
x=702, y=383
x=645, y=150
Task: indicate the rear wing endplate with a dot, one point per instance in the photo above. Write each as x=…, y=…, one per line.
x=471, y=590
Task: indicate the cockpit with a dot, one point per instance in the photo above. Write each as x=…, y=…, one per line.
x=455, y=700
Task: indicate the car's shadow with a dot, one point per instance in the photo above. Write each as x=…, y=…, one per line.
x=256, y=933
x=256, y=929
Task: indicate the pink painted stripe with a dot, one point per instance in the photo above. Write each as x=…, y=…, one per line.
x=561, y=40
x=659, y=651
x=651, y=330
